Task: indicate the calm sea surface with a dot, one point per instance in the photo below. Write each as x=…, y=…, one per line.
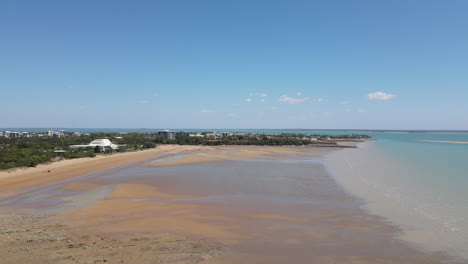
x=420, y=186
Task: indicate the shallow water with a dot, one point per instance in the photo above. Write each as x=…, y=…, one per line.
x=419, y=186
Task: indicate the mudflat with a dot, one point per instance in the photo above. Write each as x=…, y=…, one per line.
x=190, y=204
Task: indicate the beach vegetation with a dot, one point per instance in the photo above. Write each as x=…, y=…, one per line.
x=29, y=152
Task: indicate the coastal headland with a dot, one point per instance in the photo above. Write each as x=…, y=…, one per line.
x=193, y=204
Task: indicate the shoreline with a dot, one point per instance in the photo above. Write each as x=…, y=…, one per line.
x=15, y=180
x=355, y=171
x=189, y=208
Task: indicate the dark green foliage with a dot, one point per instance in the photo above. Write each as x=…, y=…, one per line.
x=29, y=152
x=261, y=140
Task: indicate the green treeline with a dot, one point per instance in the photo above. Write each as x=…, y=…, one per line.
x=258, y=140
x=29, y=152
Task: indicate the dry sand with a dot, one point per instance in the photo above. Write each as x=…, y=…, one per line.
x=40, y=239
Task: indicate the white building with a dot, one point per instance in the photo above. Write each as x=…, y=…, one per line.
x=103, y=144
x=58, y=135
x=14, y=134
x=168, y=134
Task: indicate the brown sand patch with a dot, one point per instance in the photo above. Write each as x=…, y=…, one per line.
x=39, y=239
x=141, y=191
x=280, y=217
x=79, y=186
x=213, y=154
x=153, y=216
x=249, y=154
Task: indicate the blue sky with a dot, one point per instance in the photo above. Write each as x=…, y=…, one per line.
x=393, y=64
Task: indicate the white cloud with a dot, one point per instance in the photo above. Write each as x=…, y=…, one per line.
x=262, y=100
x=259, y=94
x=155, y=94
x=380, y=96
x=298, y=93
x=292, y=100
x=321, y=100
x=143, y=102
x=206, y=111
x=248, y=100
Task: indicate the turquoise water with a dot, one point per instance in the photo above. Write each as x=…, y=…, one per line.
x=420, y=186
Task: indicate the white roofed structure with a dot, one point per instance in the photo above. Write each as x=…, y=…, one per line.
x=101, y=143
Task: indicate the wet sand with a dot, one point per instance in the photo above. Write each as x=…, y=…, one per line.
x=259, y=204
x=40, y=239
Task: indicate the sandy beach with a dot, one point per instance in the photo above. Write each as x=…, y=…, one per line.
x=191, y=204
x=13, y=181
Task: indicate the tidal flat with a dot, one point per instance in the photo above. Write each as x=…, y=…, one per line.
x=235, y=204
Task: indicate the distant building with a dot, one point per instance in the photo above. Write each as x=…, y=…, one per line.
x=50, y=133
x=103, y=144
x=181, y=133
x=58, y=134
x=26, y=135
x=226, y=134
x=167, y=134
x=210, y=135
x=14, y=134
